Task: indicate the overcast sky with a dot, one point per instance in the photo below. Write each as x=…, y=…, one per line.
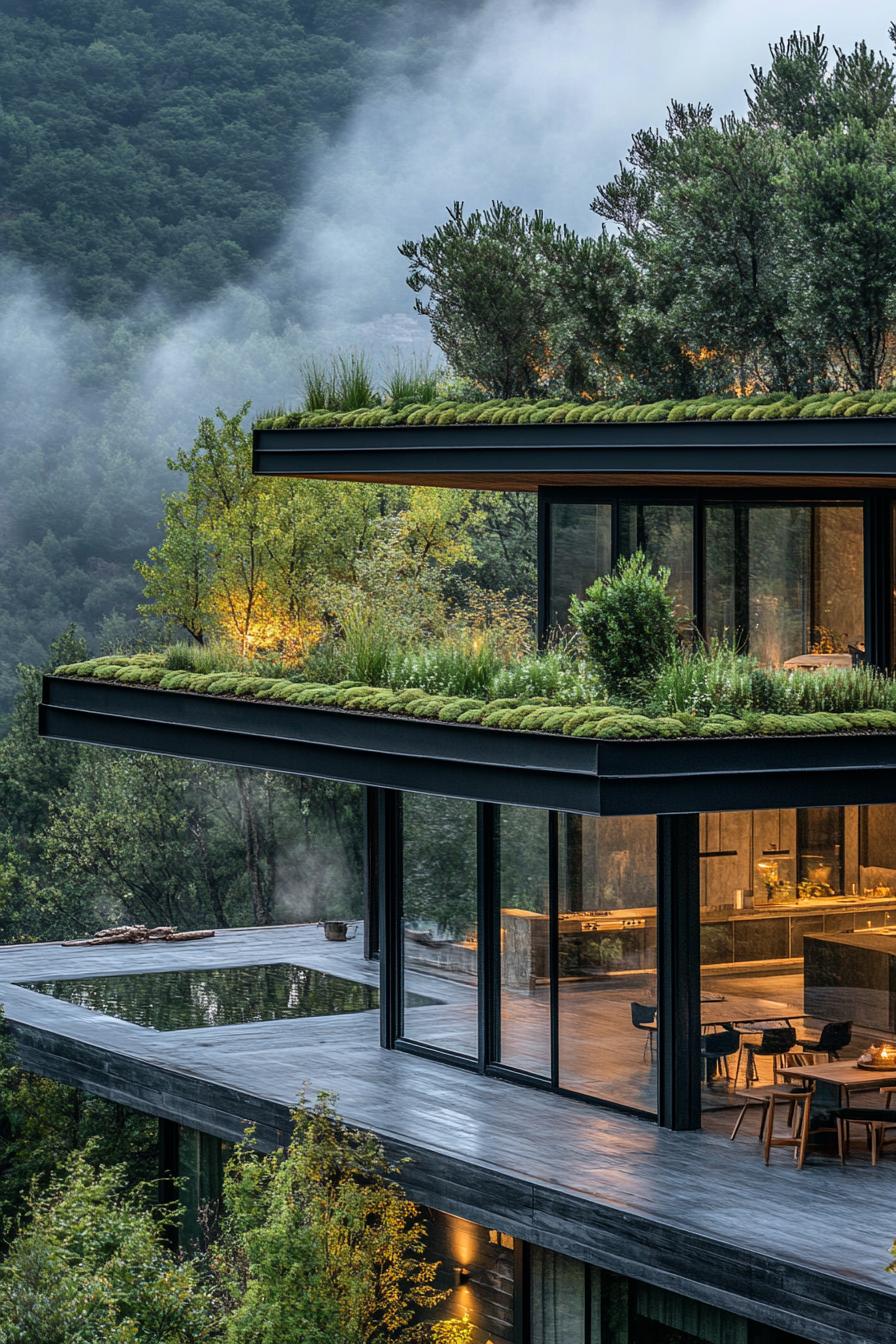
x=533, y=103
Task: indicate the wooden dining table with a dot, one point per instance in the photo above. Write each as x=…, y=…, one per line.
x=843, y=1074
x=744, y=1012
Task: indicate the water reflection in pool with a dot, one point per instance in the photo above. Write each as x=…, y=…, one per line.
x=222, y=997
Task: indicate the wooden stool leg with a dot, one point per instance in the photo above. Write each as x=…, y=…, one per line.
x=740, y=1119
x=840, y=1146
x=769, y=1129
x=763, y=1119
x=876, y=1131
x=800, y=1153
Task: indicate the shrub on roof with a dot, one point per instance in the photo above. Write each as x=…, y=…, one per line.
x=628, y=621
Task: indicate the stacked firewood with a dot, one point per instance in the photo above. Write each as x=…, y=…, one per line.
x=139, y=933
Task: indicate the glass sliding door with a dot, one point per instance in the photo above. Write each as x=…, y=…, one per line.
x=524, y=941
x=606, y=994
x=786, y=581
x=440, y=932
x=569, y=960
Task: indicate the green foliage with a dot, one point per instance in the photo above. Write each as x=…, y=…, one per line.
x=490, y=300
x=768, y=406
x=709, y=691
x=765, y=242
x=90, y=1263
x=627, y=619
x=42, y=1121
x=161, y=149
x=411, y=382
x=704, y=679
x=318, y=1244
x=214, y=657
x=342, y=383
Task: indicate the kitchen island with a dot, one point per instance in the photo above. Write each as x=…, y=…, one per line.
x=852, y=977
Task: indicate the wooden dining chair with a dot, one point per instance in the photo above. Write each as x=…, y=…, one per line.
x=769, y=1098
x=877, y=1121
x=799, y=1104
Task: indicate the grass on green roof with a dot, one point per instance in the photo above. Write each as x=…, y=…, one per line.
x=526, y=713
x=518, y=411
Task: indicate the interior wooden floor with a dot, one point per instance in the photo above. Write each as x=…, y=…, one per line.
x=666, y=1191
x=601, y=1054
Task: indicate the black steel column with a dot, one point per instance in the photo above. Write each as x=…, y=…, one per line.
x=371, y=875
x=879, y=577
x=678, y=970
x=554, y=941
x=740, y=562
x=543, y=558
x=389, y=873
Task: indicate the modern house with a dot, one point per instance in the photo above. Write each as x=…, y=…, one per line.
x=567, y=933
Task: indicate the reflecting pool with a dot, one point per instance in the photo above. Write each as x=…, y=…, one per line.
x=221, y=997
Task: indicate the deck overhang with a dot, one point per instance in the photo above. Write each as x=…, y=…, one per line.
x=690, y=1213
x=492, y=765
x=848, y=454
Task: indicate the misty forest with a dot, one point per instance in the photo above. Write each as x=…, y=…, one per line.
x=175, y=266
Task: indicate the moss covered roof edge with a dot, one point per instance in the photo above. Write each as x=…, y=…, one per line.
x=520, y=411
x=532, y=714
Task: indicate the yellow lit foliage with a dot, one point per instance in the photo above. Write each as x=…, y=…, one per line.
x=455, y=1331
x=266, y=564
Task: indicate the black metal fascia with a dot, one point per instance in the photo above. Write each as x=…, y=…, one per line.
x=860, y=447
x=489, y=765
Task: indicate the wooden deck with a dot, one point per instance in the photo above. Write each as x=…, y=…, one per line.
x=803, y=1251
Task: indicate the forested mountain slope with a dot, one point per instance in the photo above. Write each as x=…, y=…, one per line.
x=159, y=145
x=150, y=156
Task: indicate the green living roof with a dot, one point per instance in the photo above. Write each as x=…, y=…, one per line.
x=520, y=411
x=527, y=714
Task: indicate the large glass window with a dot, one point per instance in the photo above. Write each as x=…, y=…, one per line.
x=607, y=958
x=665, y=533
x=524, y=899
x=786, y=581
x=440, y=927
x=796, y=916
x=581, y=548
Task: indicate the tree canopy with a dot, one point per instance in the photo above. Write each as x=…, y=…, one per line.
x=751, y=251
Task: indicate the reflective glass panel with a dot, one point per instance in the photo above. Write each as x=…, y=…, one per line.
x=440, y=933
x=580, y=549
x=665, y=533
x=787, y=582
x=524, y=942
x=607, y=954
x=798, y=911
